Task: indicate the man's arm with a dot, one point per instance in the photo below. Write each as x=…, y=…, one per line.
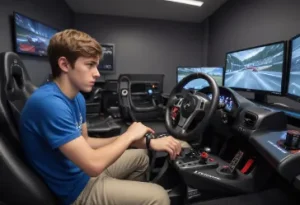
x=94, y=161
x=95, y=142
x=141, y=144
x=99, y=142
x=168, y=144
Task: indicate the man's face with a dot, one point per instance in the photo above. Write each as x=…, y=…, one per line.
x=84, y=74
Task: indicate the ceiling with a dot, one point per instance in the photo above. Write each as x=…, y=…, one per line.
x=153, y=9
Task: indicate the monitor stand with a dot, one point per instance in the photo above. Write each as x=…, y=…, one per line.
x=260, y=98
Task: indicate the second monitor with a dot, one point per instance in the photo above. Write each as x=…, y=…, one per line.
x=197, y=84
x=294, y=74
x=258, y=69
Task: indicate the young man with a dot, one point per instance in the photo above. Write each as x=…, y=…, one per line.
x=77, y=168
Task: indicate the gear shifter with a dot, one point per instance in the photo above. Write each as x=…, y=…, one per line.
x=185, y=152
x=229, y=171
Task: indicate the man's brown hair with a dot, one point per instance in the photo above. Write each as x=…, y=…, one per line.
x=71, y=44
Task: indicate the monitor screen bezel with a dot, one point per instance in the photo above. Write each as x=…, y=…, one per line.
x=284, y=67
x=200, y=67
x=114, y=59
x=15, y=34
x=290, y=43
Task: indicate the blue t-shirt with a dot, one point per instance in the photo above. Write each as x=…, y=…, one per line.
x=49, y=120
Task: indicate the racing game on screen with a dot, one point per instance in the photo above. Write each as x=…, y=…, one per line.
x=256, y=69
x=31, y=36
x=294, y=82
x=197, y=84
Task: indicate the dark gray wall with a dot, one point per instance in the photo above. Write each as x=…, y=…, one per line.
x=243, y=23
x=148, y=46
x=54, y=13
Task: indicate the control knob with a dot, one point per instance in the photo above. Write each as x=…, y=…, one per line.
x=292, y=140
x=204, y=155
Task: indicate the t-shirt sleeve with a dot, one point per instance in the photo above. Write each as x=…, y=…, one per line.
x=82, y=107
x=56, y=122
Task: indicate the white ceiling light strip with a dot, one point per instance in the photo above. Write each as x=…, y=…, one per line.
x=189, y=2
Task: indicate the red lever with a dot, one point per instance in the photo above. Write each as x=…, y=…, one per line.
x=247, y=166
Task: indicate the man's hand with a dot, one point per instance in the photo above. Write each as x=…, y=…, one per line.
x=168, y=144
x=137, y=131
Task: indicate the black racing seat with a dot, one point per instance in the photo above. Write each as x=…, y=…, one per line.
x=152, y=115
x=20, y=184
x=146, y=107
x=107, y=127
x=96, y=125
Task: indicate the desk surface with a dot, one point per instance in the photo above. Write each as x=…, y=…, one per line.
x=288, y=112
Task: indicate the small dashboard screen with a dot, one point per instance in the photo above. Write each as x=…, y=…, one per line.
x=224, y=99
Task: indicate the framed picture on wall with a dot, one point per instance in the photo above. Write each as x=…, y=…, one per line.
x=107, y=62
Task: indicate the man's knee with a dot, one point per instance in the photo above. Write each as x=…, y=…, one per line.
x=159, y=196
x=142, y=158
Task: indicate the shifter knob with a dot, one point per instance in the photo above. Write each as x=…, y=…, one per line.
x=207, y=149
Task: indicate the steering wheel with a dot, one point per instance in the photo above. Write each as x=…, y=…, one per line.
x=188, y=106
x=183, y=107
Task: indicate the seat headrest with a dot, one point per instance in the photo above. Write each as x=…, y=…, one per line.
x=15, y=73
x=15, y=87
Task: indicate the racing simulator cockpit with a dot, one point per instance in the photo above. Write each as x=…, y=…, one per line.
x=240, y=151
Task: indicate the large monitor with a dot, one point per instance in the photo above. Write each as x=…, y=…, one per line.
x=259, y=69
x=294, y=68
x=31, y=36
x=197, y=84
x=107, y=62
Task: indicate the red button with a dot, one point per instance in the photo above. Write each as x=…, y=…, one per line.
x=204, y=155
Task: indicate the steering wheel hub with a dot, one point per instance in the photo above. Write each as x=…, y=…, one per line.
x=188, y=106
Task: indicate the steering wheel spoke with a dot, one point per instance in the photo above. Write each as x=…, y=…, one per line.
x=185, y=122
x=206, y=107
x=185, y=93
x=175, y=101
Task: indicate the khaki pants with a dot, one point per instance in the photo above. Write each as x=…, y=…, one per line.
x=122, y=183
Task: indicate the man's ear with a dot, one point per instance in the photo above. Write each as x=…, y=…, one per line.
x=64, y=64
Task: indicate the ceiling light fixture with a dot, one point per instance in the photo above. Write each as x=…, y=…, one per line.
x=189, y=2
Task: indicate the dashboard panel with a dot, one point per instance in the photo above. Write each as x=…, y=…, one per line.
x=225, y=100
x=255, y=124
